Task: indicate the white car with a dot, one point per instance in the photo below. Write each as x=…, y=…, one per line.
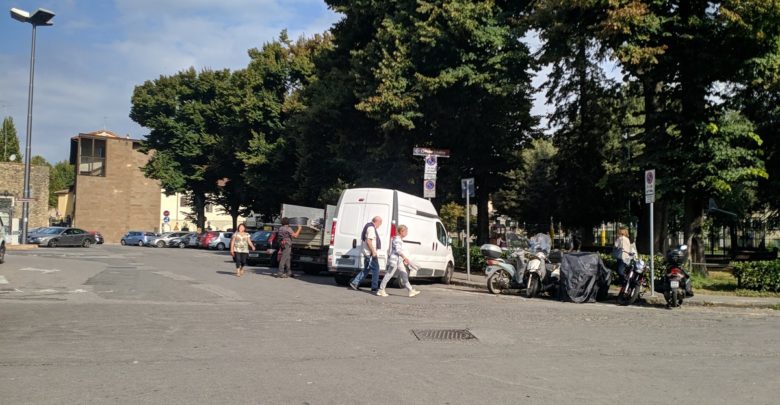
x=221, y=241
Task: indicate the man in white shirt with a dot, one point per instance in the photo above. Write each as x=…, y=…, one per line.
x=371, y=243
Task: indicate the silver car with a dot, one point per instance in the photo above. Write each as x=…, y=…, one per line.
x=163, y=239
x=62, y=236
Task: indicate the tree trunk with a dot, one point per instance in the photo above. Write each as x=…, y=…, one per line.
x=483, y=219
x=694, y=218
x=199, y=202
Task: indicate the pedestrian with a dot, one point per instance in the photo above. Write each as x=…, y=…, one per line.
x=624, y=245
x=397, y=261
x=239, y=248
x=285, y=236
x=371, y=243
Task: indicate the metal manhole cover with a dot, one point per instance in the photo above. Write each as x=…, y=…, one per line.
x=443, y=335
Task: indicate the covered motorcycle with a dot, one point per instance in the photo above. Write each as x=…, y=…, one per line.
x=584, y=278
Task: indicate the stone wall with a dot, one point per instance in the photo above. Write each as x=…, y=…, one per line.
x=12, y=183
x=122, y=200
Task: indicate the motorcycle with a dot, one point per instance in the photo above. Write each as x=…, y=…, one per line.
x=634, y=281
x=541, y=274
x=676, y=283
x=501, y=274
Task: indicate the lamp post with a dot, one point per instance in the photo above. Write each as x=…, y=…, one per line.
x=40, y=17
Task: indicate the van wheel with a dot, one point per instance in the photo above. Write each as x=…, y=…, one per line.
x=447, y=278
x=341, y=279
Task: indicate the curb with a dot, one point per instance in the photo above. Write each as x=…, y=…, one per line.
x=11, y=248
x=658, y=300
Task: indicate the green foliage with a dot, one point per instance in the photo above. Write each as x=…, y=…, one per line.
x=528, y=188
x=38, y=160
x=759, y=276
x=478, y=262
x=61, y=177
x=9, y=142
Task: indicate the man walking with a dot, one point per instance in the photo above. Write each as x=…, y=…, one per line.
x=285, y=235
x=371, y=243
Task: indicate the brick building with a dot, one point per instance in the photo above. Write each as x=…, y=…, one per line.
x=111, y=194
x=11, y=189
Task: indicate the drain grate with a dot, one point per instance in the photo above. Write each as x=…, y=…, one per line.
x=443, y=335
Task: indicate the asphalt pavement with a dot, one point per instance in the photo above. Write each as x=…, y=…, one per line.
x=133, y=325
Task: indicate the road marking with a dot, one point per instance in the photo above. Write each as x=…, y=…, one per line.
x=3, y=280
x=173, y=276
x=44, y=271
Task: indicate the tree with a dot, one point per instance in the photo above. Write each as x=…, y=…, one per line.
x=676, y=50
x=9, y=143
x=61, y=177
x=39, y=160
x=530, y=191
x=177, y=109
x=588, y=113
x=451, y=75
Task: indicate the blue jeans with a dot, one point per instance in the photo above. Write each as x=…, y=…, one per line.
x=372, y=264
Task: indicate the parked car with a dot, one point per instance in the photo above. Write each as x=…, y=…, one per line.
x=205, y=238
x=136, y=238
x=61, y=236
x=182, y=239
x=266, y=249
x=163, y=239
x=221, y=241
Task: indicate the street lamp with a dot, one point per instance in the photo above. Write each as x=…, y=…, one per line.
x=40, y=17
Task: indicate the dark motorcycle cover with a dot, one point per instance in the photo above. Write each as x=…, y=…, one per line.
x=584, y=278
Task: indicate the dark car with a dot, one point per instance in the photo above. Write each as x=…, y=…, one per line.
x=183, y=240
x=61, y=236
x=266, y=249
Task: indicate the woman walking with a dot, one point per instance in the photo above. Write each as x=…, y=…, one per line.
x=239, y=248
x=397, y=261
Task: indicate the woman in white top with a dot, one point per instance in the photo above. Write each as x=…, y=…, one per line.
x=397, y=261
x=624, y=244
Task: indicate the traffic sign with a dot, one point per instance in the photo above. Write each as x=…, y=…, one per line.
x=467, y=184
x=166, y=213
x=431, y=151
x=166, y=220
x=429, y=189
x=430, y=164
x=650, y=181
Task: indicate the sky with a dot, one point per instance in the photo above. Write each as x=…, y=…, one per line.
x=97, y=51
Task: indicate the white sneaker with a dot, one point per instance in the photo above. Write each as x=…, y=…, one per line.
x=413, y=293
x=381, y=293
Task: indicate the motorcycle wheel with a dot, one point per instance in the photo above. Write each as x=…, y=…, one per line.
x=498, y=282
x=634, y=294
x=673, y=298
x=533, y=286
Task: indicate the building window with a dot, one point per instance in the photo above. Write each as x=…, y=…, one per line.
x=93, y=157
x=183, y=201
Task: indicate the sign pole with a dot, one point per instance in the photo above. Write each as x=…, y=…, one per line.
x=650, y=199
x=652, y=255
x=468, y=238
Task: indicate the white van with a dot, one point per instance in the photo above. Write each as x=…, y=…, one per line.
x=427, y=242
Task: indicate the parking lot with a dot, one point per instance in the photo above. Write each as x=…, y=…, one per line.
x=127, y=324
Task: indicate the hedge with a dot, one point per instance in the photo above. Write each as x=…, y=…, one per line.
x=759, y=276
x=477, y=261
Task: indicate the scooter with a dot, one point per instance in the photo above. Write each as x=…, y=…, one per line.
x=541, y=274
x=501, y=274
x=634, y=281
x=676, y=282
